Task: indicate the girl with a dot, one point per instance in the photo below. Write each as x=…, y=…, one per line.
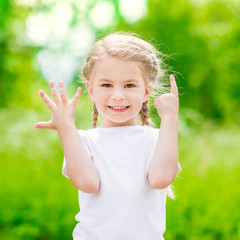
x=122, y=169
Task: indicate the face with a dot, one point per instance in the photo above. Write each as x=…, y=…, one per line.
x=118, y=89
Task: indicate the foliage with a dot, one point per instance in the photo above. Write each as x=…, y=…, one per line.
x=207, y=197
x=202, y=41
x=201, y=38
x=37, y=202
x=17, y=70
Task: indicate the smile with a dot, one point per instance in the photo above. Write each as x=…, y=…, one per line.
x=118, y=108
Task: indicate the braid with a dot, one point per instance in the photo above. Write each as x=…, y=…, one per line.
x=95, y=116
x=144, y=114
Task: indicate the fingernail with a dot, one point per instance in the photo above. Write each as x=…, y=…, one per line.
x=51, y=83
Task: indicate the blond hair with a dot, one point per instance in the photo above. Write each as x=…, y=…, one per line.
x=132, y=48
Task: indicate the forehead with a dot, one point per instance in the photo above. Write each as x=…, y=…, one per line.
x=117, y=69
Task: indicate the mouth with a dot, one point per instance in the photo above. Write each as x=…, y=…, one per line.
x=118, y=108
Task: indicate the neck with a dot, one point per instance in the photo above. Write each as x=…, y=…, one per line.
x=107, y=123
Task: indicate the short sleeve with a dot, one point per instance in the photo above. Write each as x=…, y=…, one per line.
x=86, y=145
x=64, y=169
x=179, y=169
x=155, y=133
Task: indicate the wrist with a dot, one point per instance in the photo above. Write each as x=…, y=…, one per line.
x=173, y=118
x=170, y=121
x=66, y=126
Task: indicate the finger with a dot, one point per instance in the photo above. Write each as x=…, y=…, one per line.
x=174, y=89
x=47, y=100
x=45, y=125
x=63, y=93
x=76, y=97
x=54, y=92
x=156, y=103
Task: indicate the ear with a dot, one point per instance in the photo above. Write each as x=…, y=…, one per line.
x=148, y=91
x=90, y=90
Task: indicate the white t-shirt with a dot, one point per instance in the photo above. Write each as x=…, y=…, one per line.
x=125, y=207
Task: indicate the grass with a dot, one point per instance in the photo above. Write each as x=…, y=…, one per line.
x=207, y=204
x=37, y=202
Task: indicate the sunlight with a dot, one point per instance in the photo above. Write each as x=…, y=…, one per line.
x=27, y=2
x=133, y=10
x=42, y=27
x=64, y=45
x=37, y=28
x=60, y=62
x=56, y=67
x=102, y=14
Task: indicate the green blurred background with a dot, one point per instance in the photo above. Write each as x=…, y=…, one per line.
x=48, y=40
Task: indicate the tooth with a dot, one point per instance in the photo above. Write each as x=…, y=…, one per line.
x=118, y=108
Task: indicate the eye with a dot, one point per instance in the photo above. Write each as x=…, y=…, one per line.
x=130, y=85
x=107, y=85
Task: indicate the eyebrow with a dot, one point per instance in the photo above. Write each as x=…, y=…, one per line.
x=125, y=81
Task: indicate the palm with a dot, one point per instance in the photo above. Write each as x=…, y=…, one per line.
x=63, y=109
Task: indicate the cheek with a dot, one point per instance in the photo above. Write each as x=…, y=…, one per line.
x=100, y=98
x=137, y=100
x=137, y=96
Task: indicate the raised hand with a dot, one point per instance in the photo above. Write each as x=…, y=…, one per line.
x=167, y=104
x=63, y=110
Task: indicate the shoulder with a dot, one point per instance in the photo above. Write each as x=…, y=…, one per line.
x=85, y=132
x=151, y=130
x=88, y=134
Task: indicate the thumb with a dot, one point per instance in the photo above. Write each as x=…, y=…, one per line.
x=156, y=102
x=46, y=125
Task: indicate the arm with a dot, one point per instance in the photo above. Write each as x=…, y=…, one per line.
x=164, y=164
x=80, y=167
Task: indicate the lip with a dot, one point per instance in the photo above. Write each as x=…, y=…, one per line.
x=118, y=108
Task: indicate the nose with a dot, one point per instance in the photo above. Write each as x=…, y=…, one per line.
x=118, y=94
